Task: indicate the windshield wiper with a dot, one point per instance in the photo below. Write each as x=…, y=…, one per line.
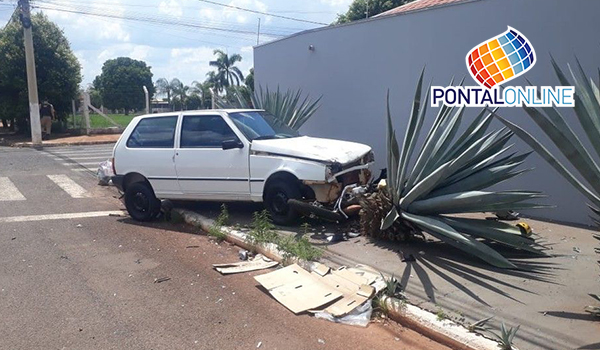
x=265, y=137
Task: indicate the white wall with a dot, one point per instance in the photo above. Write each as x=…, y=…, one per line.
x=352, y=66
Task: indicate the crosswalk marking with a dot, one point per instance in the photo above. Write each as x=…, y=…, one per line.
x=92, y=214
x=82, y=169
x=78, y=154
x=69, y=186
x=84, y=158
x=8, y=191
x=92, y=163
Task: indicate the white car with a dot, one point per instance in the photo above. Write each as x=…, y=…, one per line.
x=232, y=155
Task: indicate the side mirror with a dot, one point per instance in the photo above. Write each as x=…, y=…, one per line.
x=232, y=143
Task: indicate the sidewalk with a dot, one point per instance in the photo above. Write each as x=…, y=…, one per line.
x=546, y=297
x=58, y=140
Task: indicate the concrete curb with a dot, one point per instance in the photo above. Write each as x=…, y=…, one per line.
x=445, y=332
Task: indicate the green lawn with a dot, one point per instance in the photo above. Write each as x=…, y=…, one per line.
x=98, y=121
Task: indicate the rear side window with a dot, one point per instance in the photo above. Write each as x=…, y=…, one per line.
x=156, y=132
x=205, y=131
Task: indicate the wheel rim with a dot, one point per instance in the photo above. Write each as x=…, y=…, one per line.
x=279, y=203
x=141, y=202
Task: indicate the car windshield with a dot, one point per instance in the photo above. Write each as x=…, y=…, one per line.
x=261, y=126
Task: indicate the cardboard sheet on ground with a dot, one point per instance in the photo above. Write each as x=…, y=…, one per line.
x=297, y=289
x=355, y=289
x=259, y=262
x=336, y=292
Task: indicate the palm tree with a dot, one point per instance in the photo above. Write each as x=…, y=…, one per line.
x=202, y=90
x=227, y=73
x=164, y=88
x=179, y=91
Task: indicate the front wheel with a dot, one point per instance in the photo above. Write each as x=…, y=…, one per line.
x=140, y=202
x=276, y=201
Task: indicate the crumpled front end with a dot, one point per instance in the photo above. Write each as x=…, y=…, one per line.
x=339, y=176
x=336, y=197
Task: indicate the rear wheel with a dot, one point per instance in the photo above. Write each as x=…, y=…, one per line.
x=140, y=202
x=276, y=200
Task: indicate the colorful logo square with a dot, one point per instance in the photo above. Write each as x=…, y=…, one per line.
x=501, y=58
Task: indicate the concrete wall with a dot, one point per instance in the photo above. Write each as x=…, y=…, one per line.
x=353, y=65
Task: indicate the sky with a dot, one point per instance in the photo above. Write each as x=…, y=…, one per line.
x=171, y=49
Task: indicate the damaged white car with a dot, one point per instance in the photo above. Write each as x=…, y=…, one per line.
x=236, y=155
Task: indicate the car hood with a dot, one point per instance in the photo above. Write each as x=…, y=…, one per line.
x=323, y=150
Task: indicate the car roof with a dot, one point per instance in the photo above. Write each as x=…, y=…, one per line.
x=200, y=111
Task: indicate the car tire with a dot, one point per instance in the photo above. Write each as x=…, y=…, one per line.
x=140, y=201
x=276, y=196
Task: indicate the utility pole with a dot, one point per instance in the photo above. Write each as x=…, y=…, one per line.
x=86, y=112
x=258, y=33
x=34, y=106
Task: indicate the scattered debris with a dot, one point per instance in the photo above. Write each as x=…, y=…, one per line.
x=576, y=249
x=321, y=341
x=259, y=344
x=12, y=239
x=360, y=316
x=243, y=254
x=335, y=292
x=338, y=237
x=353, y=234
x=193, y=246
x=408, y=258
x=162, y=279
x=259, y=262
x=138, y=261
x=115, y=215
x=79, y=226
x=64, y=257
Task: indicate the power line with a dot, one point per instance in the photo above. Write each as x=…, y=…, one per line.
x=262, y=13
x=98, y=6
x=156, y=20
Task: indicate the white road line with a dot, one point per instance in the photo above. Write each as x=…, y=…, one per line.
x=83, y=169
x=8, y=191
x=75, y=154
x=91, y=214
x=69, y=186
x=84, y=158
x=92, y=163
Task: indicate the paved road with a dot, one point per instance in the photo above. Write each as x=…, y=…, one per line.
x=73, y=277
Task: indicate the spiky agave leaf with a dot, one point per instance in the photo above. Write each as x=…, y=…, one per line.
x=288, y=108
x=451, y=174
x=552, y=122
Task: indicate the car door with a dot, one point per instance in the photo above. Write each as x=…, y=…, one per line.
x=205, y=169
x=151, y=150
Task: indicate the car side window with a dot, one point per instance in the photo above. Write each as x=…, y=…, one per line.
x=207, y=131
x=155, y=132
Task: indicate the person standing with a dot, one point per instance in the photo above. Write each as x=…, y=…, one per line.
x=47, y=114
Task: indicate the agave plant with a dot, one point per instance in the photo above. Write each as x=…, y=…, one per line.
x=450, y=174
x=555, y=126
x=288, y=108
x=506, y=336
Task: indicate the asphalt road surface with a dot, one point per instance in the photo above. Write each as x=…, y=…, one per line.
x=76, y=275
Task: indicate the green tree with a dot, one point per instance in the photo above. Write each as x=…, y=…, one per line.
x=58, y=70
x=249, y=81
x=121, y=84
x=361, y=9
x=227, y=73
